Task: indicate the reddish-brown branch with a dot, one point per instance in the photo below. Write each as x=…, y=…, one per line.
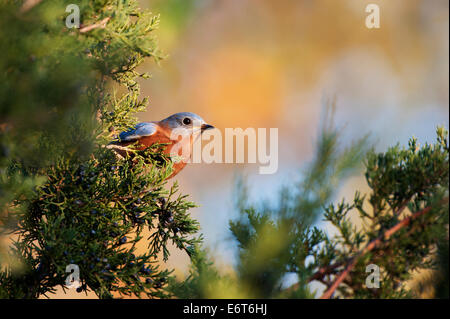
x=318, y=275
x=370, y=246
x=326, y=270
x=100, y=24
x=28, y=4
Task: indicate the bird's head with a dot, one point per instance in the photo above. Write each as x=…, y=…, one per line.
x=186, y=124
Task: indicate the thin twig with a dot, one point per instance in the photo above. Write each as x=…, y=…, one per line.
x=324, y=271
x=370, y=246
x=100, y=24
x=328, y=270
x=28, y=4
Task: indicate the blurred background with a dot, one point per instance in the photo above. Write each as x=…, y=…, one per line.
x=266, y=63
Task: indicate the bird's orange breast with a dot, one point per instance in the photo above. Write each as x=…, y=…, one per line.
x=162, y=136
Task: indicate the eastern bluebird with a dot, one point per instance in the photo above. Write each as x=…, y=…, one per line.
x=178, y=131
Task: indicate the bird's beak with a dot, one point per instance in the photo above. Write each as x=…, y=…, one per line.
x=205, y=127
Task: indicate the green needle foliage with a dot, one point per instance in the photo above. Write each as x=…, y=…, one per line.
x=64, y=197
x=400, y=225
x=407, y=184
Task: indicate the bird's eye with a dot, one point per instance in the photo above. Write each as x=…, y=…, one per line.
x=186, y=121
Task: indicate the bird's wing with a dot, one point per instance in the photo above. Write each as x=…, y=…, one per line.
x=140, y=130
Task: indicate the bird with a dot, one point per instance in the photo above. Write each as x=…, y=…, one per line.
x=178, y=132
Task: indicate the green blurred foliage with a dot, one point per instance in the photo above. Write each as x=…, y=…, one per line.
x=176, y=16
x=175, y=12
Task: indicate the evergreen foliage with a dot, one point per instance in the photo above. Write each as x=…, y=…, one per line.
x=401, y=226
x=65, y=198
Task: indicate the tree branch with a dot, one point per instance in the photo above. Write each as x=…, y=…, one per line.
x=28, y=4
x=370, y=246
x=327, y=270
x=100, y=24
